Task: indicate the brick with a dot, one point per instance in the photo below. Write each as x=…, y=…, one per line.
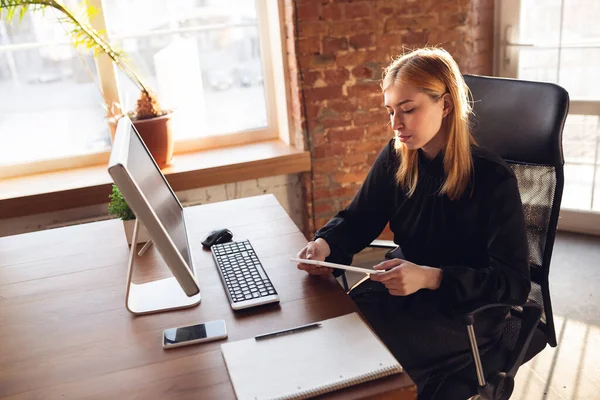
x=309, y=45
x=349, y=177
x=331, y=12
x=320, y=181
x=341, y=106
x=369, y=71
x=307, y=12
x=318, y=138
x=329, y=150
x=355, y=159
x=409, y=8
x=311, y=28
x=347, y=28
x=379, y=131
x=385, y=8
x=342, y=120
x=361, y=118
x=371, y=158
x=361, y=41
x=364, y=89
x=482, y=46
x=352, y=58
x=456, y=19
x=324, y=93
x=332, y=45
x=368, y=147
x=369, y=102
x=325, y=206
x=325, y=165
x=336, y=77
x=412, y=38
x=310, y=77
x=335, y=192
x=316, y=61
x=417, y=22
x=358, y=10
x=314, y=126
x=342, y=135
x=442, y=37
x=389, y=39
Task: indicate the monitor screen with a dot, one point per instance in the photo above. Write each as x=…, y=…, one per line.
x=153, y=185
x=155, y=205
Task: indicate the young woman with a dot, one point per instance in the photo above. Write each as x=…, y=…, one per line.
x=457, y=217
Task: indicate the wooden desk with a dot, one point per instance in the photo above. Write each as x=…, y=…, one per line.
x=65, y=332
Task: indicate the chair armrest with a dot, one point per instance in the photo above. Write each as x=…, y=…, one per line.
x=531, y=314
x=468, y=317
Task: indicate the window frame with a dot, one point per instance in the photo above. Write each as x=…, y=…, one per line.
x=274, y=68
x=506, y=64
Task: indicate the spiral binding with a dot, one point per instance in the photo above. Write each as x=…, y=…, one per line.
x=305, y=394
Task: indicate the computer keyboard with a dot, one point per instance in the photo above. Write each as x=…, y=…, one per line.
x=245, y=280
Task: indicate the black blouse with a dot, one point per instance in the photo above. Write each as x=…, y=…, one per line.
x=479, y=241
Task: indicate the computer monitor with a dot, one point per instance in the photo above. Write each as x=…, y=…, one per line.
x=153, y=201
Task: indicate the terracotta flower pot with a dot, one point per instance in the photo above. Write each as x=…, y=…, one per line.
x=158, y=137
x=142, y=237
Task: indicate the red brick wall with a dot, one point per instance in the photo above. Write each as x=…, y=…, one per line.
x=338, y=49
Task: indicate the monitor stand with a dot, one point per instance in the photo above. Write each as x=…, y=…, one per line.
x=156, y=296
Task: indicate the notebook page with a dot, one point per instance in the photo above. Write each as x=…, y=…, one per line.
x=342, y=352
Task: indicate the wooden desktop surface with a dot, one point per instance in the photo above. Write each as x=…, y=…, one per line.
x=65, y=332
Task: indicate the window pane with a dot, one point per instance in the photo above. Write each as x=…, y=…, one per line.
x=597, y=190
x=50, y=106
x=576, y=69
x=538, y=64
x=581, y=150
x=540, y=21
x=212, y=78
x=580, y=21
x=580, y=72
x=577, y=193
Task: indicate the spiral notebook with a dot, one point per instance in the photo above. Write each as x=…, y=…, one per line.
x=342, y=352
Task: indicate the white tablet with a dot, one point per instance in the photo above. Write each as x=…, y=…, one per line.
x=334, y=265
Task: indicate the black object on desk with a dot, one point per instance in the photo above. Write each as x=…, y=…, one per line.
x=288, y=331
x=217, y=236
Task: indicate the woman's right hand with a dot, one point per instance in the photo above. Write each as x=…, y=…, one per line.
x=317, y=250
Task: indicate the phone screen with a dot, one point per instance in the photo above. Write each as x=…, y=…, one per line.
x=212, y=329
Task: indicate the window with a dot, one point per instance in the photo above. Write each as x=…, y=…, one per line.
x=559, y=41
x=50, y=105
x=210, y=61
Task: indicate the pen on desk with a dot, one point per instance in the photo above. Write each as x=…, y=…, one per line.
x=288, y=331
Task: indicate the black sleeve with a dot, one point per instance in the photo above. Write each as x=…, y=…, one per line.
x=353, y=228
x=507, y=278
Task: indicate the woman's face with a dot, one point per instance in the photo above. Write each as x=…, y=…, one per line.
x=417, y=118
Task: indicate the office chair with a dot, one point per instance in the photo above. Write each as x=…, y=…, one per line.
x=522, y=122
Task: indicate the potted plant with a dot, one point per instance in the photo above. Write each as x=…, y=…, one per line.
x=151, y=121
x=120, y=209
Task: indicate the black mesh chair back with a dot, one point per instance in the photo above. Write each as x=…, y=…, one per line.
x=522, y=122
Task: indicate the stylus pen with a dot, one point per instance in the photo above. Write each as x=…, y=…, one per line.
x=288, y=331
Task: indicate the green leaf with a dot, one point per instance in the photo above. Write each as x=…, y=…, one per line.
x=22, y=12
x=11, y=13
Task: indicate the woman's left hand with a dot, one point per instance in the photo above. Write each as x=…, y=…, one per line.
x=402, y=278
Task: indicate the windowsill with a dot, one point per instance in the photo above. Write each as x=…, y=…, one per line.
x=60, y=190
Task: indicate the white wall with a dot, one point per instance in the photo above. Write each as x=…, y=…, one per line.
x=286, y=188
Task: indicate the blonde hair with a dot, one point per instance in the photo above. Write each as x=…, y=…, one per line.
x=435, y=73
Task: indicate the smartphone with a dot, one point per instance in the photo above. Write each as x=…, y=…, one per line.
x=186, y=335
